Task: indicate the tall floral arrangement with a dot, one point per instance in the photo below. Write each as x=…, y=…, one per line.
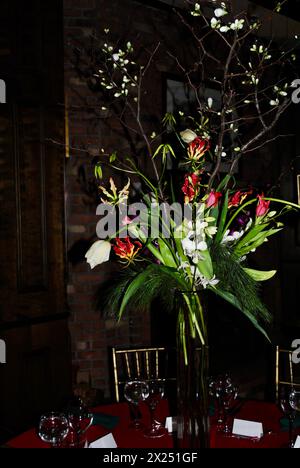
x=215, y=226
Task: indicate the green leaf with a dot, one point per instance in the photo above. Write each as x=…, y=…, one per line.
x=98, y=171
x=233, y=300
x=251, y=234
x=259, y=239
x=166, y=253
x=113, y=157
x=260, y=275
x=205, y=266
x=222, y=222
x=153, y=275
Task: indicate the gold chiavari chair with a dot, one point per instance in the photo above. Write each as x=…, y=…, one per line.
x=142, y=363
x=287, y=373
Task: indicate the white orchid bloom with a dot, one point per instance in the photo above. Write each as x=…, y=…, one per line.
x=210, y=102
x=98, y=253
x=231, y=237
x=188, y=135
x=219, y=12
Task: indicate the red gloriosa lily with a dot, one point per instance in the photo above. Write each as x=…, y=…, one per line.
x=190, y=187
x=126, y=249
x=237, y=198
x=198, y=147
x=262, y=207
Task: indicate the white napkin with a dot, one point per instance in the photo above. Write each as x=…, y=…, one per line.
x=107, y=441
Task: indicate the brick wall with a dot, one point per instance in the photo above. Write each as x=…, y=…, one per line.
x=91, y=334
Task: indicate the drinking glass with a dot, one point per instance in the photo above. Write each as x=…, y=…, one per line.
x=156, y=393
x=80, y=419
x=229, y=395
x=53, y=428
x=224, y=392
x=289, y=402
x=134, y=392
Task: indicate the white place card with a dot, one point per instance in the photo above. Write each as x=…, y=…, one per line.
x=107, y=441
x=297, y=443
x=169, y=424
x=244, y=428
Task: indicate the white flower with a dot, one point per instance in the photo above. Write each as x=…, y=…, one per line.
x=188, y=135
x=224, y=29
x=231, y=237
x=219, y=12
x=214, y=23
x=274, y=102
x=116, y=57
x=98, y=253
x=238, y=24
x=210, y=102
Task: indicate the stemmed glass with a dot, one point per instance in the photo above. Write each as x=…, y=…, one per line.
x=230, y=393
x=53, y=428
x=80, y=419
x=134, y=392
x=224, y=393
x=156, y=393
x=289, y=403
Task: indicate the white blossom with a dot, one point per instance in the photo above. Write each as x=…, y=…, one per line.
x=214, y=23
x=238, y=24
x=219, y=12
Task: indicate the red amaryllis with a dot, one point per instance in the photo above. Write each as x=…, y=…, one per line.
x=190, y=187
x=126, y=249
x=197, y=148
x=213, y=199
x=237, y=198
x=262, y=206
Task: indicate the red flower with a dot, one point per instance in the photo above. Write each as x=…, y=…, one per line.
x=197, y=148
x=238, y=198
x=190, y=187
x=126, y=249
x=213, y=199
x=262, y=207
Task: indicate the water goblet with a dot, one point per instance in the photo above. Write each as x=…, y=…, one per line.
x=229, y=395
x=80, y=419
x=134, y=392
x=288, y=404
x=156, y=393
x=53, y=428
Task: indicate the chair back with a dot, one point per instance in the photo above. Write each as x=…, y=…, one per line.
x=287, y=373
x=145, y=363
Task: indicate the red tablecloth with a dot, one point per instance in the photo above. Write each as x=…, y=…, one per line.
x=124, y=436
x=267, y=413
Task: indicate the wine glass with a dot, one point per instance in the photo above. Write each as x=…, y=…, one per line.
x=53, y=428
x=156, y=393
x=229, y=395
x=289, y=402
x=224, y=393
x=134, y=392
x=80, y=419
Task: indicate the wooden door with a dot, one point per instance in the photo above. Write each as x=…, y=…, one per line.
x=33, y=313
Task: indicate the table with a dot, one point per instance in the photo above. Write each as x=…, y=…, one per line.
x=267, y=413
x=124, y=436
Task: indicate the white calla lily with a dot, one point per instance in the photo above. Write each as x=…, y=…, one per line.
x=98, y=253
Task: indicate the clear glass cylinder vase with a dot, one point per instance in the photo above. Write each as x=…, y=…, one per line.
x=192, y=374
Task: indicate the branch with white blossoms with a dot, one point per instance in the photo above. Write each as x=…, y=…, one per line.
x=249, y=76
